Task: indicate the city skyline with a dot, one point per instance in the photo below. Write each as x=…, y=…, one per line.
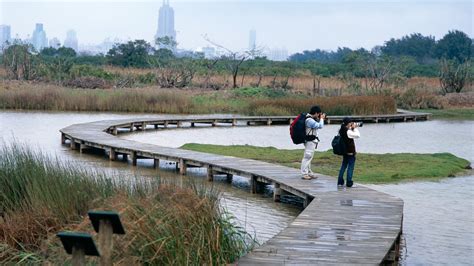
x=305, y=25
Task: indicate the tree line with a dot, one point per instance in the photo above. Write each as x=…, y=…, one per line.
x=413, y=55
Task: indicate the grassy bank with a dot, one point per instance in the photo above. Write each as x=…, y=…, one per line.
x=165, y=223
x=247, y=101
x=370, y=168
x=455, y=114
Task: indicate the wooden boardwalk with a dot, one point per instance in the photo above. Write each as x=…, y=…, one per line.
x=338, y=226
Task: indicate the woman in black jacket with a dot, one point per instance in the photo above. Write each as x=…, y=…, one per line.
x=348, y=132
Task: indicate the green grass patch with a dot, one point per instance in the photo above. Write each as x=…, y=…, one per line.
x=370, y=168
x=457, y=114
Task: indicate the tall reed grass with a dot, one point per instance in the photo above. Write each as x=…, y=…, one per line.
x=342, y=105
x=166, y=222
x=153, y=100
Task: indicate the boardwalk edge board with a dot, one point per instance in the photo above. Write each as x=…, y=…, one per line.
x=337, y=226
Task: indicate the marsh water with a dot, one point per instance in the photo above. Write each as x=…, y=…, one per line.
x=438, y=216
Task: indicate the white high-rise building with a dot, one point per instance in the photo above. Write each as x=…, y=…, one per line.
x=5, y=35
x=71, y=40
x=252, y=40
x=39, y=40
x=166, y=23
x=277, y=54
x=54, y=43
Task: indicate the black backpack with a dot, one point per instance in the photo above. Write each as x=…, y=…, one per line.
x=298, y=130
x=338, y=145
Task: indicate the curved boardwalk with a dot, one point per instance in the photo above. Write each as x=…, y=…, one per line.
x=345, y=226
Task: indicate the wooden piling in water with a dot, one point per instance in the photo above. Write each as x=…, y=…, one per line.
x=182, y=167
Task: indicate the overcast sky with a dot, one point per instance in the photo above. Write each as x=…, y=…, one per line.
x=294, y=25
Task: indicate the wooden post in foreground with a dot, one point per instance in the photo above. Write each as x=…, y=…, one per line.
x=78, y=245
x=78, y=256
x=106, y=223
x=106, y=243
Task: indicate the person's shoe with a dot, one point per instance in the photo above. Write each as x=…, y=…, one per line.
x=313, y=175
x=307, y=177
x=353, y=186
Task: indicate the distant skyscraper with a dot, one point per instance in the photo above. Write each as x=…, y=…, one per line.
x=252, y=40
x=5, y=35
x=71, y=40
x=54, y=42
x=166, y=22
x=277, y=54
x=39, y=39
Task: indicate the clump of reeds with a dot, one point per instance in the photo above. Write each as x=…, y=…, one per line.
x=342, y=105
x=166, y=222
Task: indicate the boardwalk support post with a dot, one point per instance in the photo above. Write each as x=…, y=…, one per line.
x=182, y=167
x=276, y=192
x=134, y=158
x=63, y=138
x=253, y=184
x=210, y=173
x=73, y=144
x=229, y=178
x=112, y=154
x=156, y=163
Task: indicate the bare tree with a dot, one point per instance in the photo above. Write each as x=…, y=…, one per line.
x=209, y=64
x=234, y=60
x=377, y=72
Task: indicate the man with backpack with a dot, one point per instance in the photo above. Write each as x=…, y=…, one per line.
x=313, y=121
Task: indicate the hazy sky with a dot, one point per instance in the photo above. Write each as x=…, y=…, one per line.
x=295, y=25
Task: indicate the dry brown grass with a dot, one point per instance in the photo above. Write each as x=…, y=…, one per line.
x=343, y=105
